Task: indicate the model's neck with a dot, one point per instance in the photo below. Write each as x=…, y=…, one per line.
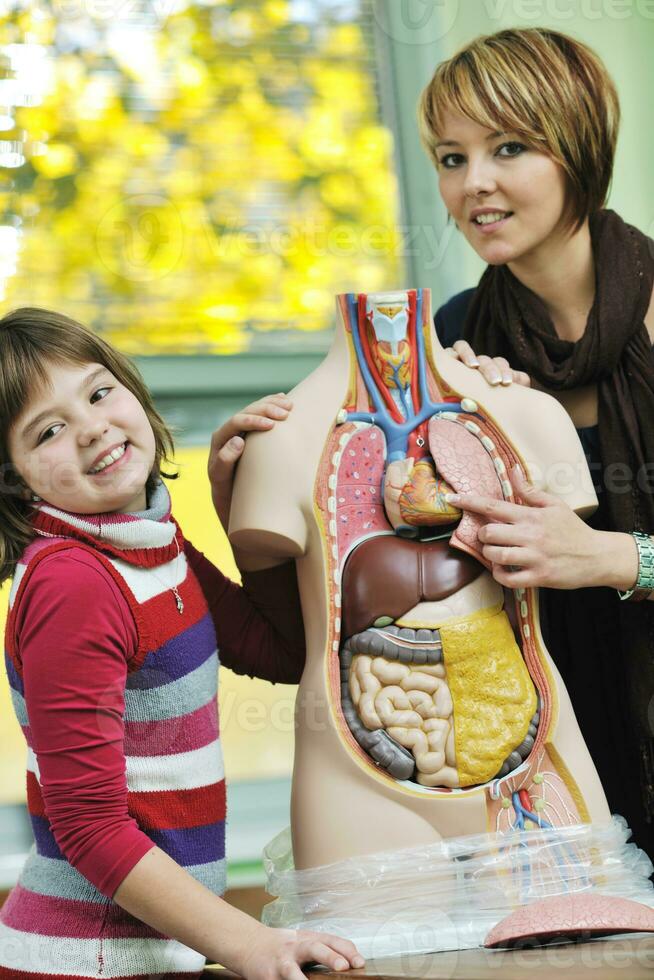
x=339, y=350
x=562, y=275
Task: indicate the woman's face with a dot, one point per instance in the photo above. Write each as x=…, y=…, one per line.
x=66, y=429
x=521, y=190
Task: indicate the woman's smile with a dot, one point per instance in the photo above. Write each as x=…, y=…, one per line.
x=488, y=220
x=506, y=196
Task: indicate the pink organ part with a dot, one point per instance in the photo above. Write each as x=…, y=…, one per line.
x=466, y=465
x=357, y=492
x=571, y=916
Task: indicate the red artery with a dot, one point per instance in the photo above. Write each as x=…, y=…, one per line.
x=524, y=799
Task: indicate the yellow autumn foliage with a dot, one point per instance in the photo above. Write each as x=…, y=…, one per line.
x=197, y=183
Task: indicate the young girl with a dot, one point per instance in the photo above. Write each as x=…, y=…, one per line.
x=111, y=652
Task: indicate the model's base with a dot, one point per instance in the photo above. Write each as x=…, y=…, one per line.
x=569, y=918
x=523, y=887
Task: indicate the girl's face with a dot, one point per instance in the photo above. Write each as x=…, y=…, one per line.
x=521, y=190
x=66, y=430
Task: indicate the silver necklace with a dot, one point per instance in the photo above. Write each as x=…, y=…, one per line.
x=173, y=588
x=178, y=598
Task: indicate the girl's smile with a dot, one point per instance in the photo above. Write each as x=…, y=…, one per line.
x=85, y=444
x=110, y=460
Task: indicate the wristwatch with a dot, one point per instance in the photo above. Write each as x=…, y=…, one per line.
x=645, y=581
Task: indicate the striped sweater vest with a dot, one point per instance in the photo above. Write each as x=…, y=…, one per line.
x=55, y=923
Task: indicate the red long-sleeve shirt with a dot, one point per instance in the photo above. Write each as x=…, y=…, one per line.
x=75, y=700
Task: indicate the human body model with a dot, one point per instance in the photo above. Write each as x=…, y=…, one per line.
x=419, y=704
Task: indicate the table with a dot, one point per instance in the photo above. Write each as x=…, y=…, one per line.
x=626, y=959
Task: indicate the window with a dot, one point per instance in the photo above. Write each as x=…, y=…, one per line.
x=194, y=177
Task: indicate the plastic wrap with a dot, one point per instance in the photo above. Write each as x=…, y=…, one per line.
x=448, y=895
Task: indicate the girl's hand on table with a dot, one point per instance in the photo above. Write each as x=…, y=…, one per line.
x=495, y=370
x=227, y=444
x=542, y=542
x=278, y=954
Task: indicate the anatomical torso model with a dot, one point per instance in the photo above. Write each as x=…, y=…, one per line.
x=429, y=707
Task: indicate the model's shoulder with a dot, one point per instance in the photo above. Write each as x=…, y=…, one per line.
x=316, y=400
x=529, y=418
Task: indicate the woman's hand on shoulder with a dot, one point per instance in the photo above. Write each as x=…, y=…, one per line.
x=278, y=954
x=495, y=370
x=227, y=444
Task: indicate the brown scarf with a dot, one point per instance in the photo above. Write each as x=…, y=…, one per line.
x=615, y=353
x=506, y=319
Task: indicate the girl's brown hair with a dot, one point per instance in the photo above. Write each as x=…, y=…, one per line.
x=30, y=340
x=551, y=89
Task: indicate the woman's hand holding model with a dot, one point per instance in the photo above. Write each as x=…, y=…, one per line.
x=541, y=542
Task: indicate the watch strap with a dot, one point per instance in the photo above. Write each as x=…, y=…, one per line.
x=645, y=582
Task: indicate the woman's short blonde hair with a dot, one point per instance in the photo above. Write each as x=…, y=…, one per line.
x=551, y=89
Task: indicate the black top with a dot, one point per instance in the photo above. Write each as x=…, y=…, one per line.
x=581, y=631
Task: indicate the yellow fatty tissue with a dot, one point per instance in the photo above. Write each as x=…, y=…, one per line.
x=492, y=692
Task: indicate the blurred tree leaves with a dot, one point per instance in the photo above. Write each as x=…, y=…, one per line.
x=189, y=177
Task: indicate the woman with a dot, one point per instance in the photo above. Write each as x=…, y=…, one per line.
x=522, y=127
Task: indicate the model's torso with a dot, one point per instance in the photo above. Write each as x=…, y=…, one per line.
x=420, y=697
